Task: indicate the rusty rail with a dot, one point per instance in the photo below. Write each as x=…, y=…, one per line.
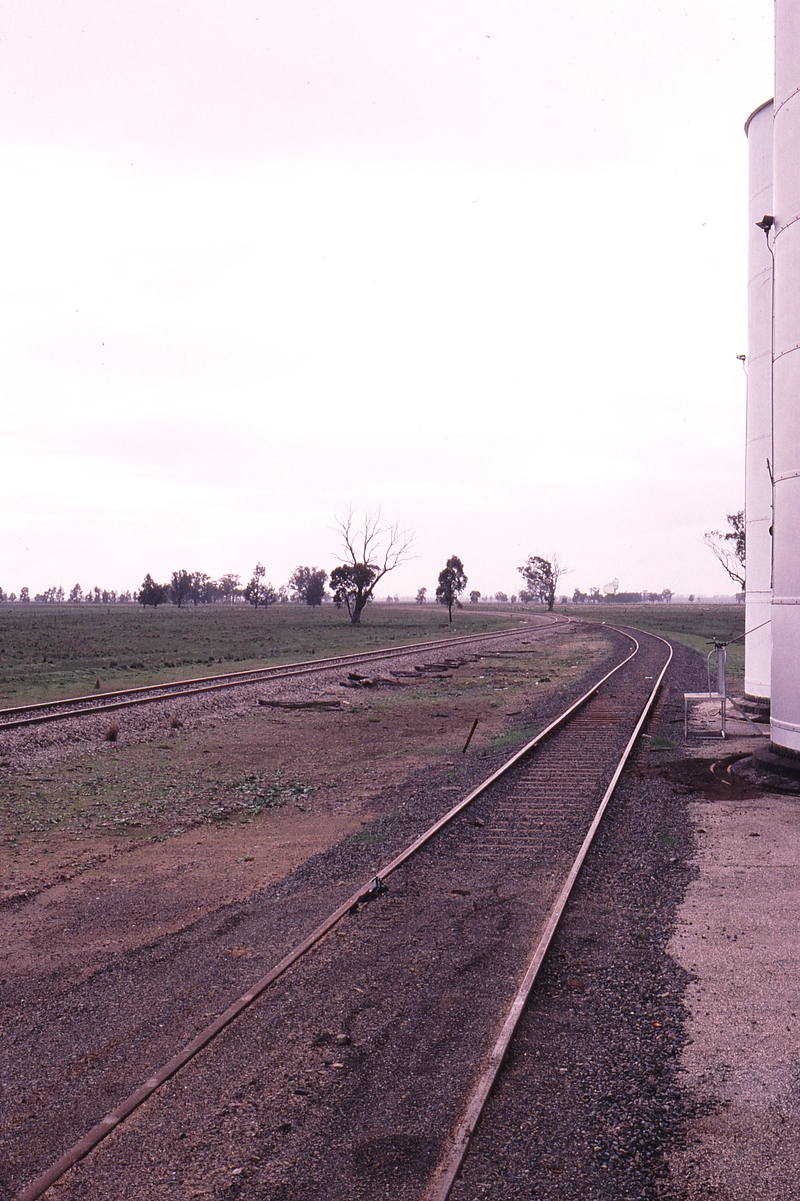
x=449, y=1167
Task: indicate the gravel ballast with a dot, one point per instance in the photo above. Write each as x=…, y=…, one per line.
x=590, y=1101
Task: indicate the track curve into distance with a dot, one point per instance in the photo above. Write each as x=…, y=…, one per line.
x=565, y=776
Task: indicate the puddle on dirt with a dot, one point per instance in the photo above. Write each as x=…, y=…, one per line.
x=763, y=779
x=714, y=779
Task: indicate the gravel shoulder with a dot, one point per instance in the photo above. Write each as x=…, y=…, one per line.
x=737, y=936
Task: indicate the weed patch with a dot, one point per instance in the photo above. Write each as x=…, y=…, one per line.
x=369, y=835
x=271, y=793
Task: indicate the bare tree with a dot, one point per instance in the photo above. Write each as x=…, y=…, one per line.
x=542, y=576
x=730, y=548
x=371, y=548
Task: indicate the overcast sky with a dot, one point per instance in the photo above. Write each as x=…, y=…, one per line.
x=479, y=263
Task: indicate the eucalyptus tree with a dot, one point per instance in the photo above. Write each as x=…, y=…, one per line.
x=370, y=549
x=452, y=582
x=541, y=576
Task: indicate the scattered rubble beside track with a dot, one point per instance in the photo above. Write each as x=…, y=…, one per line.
x=365, y=1075
x=48, y=711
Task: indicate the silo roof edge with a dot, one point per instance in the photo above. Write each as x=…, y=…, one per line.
x=755, y=112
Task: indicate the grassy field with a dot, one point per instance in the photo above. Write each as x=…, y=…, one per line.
x=50, y=651
x=695, y=625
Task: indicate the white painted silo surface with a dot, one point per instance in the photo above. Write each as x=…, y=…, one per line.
x=785, y=702
x=758, y=487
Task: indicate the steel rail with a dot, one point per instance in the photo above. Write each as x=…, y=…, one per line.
x=449, y=1167
x=256, y=675
x=84, y=1146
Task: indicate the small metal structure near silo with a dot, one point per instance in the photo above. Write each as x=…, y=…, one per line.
x=721, y=695
x=759, y=454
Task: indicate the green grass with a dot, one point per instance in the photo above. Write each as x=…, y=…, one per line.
x=696, y=626
x=365, y=838
x=50, y=651
x=661, y=744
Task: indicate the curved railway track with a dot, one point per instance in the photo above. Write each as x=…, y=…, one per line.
x=83, y=706
x=445, y=941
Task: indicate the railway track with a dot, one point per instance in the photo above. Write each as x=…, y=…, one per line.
x=42, y=712
x=365, y=1067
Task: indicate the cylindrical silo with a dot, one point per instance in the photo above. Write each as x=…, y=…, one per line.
x=758, y=486
x=785, y=682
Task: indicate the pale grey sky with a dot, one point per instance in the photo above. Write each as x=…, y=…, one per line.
x=479, y=263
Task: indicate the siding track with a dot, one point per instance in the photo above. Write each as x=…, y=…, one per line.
x=82, y=706
x=429, y=967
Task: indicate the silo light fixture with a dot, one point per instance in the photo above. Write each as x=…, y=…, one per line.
x=766, y=223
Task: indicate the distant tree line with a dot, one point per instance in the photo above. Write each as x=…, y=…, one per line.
x=595, y=597
x=76, y=596
x=306, y=586
x=370, y=549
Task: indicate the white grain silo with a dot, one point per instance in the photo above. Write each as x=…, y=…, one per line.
x=758, y=486
x=785, y=681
